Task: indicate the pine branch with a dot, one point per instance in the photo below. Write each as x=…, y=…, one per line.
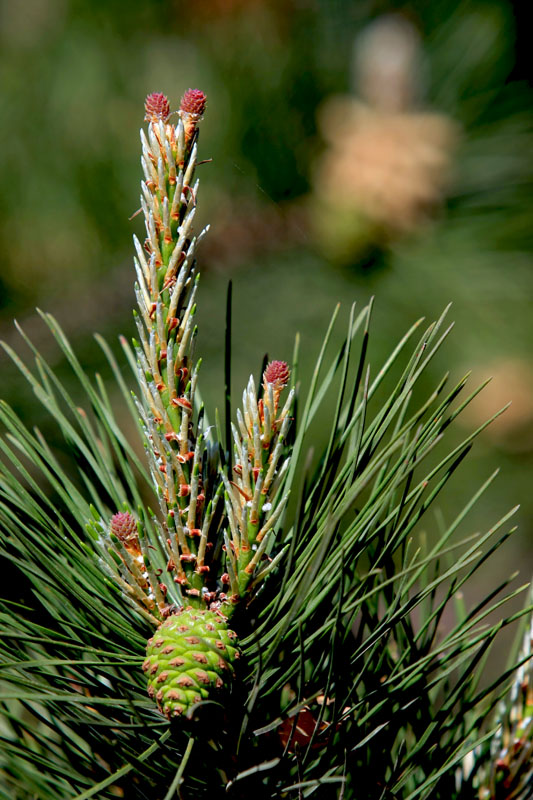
x=332, y=576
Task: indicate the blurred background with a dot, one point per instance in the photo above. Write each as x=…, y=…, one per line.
x=359, y=148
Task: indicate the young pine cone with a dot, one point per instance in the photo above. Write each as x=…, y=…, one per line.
x=191, y=656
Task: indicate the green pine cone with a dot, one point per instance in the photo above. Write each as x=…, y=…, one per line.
x=190, y=657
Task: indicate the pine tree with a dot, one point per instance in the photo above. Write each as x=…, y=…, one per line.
x=230, y=614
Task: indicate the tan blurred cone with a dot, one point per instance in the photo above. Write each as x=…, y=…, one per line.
x=391, y=167
x=386, y=166
x=512, y=381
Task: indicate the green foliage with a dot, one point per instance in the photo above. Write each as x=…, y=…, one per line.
x=352, y=615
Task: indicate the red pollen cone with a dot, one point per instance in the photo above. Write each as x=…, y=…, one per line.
x=157, y=107
x=193, y=102
x=277, y=373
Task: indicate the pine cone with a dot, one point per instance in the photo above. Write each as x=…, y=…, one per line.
x=157, y=107
x=384, y=175
x=278, y=373
x=193, y=102
x=190, y=656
